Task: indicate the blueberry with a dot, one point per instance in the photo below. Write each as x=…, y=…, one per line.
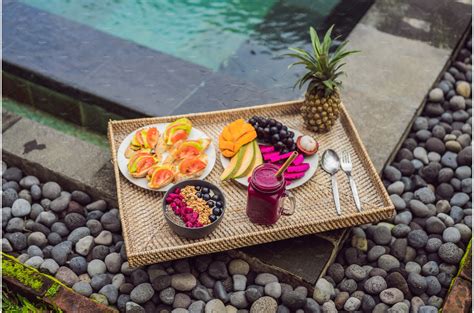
x=205, y=190
x=218, y=204
x=198, y=194
x=217, y=211
x=252, y=120
x=212, y=218
x=197, y=188
x=206, y=197
x=215, y=197
x=210, y=203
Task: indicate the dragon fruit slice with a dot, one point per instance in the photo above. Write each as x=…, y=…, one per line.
x=266, y=149
x=299, y=159
x=303, y=167
x=293, y=176
x=269, y=156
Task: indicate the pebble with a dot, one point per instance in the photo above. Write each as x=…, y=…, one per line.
x=433, y=286
x=51, y=190
x=17, y=240
x=110, y=222
x=388, y=262
x=457, y=103
x=392, y=173
x=113, y=262
x=449, y=159
x=265, y=305
x=463, y=88
x=240, y=282
x=436, y=95
x=104, y=238
x=265, y=278
x=183, y=281
x=201, y=293
x=425, y=195
x=450, y=253
x=84, y=245
x=252, y=293
x=12, y=173
x=381, y=235
x=21, y=208
x=465, y=231
x=238, y=266
x=78, y=264
x=9, y=196
x=80, y=197
x=215, y=306
x=293, y=299
x=417, y=238
x=60, y=204
x=78, y=233
x=110, y=292
x=67, y=276
x=374, y=285
x=139, y=276
x=132, y=307
x=142, y=293
x=238, y=299
x=451, y=234
x=34, y=261
x=434, y=225
x=459, y=199
x=417, y=283
x=323, y=291
x=197, y=307
x=336, y=272
x=60, y=228
x=418, y=208
x=421, y=154
x=37, y=239
x=181, y=300
x=433, y=244
x=82, y=288
x=96, y=267
x=49, y=266
x=398, y=202
x=16, y=224
x=396, y=188
x=427, y=309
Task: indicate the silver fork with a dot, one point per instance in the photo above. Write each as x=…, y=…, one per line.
x=346, y=166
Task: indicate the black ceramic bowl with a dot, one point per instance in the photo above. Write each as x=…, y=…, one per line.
x=193, y=233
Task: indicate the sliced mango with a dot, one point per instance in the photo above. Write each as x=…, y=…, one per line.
x=234, y=136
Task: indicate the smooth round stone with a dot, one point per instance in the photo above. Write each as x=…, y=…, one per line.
x=391, y=296
x=453, y=146
x=181, y=300
x=80, y=197
x=400, y=230
x=374, y=285
x=183, y=281
x=457, y=103
x=399, y=307
x=459, y=199
x=413, y=267
x=423, y=134
x=238, y=266
x=74, y=220
x=51, y=190
x=197, y=307
x=96, y=267
x=264, y=305
x=430, y=268
x=9, y=196
x=434, y=157
x=420, y=123
x=113, y=262
x=356, y=272
x=47, y=218
x=139, y=276
x=464, y=140
x=34, y=261
x=82, y=288
x=336, y=272
x=66, y=276
x=49, y=266
x=433, y=286
x=436, y=94
x=323, y=291
x=60, y=228
x=446, y=219
x=238, y=300
x=434, y=225
x=381, y=235
x=15, y=224
x=450, y=253
x=403, y=218
x=99, y=205
x=451, y=234
x=38, y=239
x=398, y=202
x=449, y=159
x=84, y=245
x=463, y=89
x=142, y=293
x=215, y=306
x=417, y=164
x=425, y=195
x=392, y=173
x=433, y=244
x=418, y=208
x=352, y=304
x=239, y=282
x=375, y=253
x=265, y=278
x=396, y=188
x=466, y=185
x=272, y=289
x=60, y=204
x=294, y=300
x=417, y=238
x=435, y=144
x=21, y=208
x=421, y=154
x=416, y=283
x=444, y=191
x=465, y=231
x=78, y=265
x=110, y=222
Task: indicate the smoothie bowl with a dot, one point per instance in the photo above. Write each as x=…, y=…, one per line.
x=193, y=208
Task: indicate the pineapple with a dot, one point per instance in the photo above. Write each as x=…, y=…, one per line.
x=321, y=105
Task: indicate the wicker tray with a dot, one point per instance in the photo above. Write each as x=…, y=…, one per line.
x=148, y=238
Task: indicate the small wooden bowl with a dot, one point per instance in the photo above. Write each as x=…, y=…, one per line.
x=193, y=233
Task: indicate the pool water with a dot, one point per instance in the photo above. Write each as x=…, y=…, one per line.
x=214, y=34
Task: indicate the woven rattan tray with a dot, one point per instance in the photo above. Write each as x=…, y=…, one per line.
x=148, y=239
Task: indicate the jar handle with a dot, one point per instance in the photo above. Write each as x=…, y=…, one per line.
x=291, y=209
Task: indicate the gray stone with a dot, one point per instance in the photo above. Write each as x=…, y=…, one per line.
x=74, y=220
x=388, y=262
x=96, y=267
x=197, y=307
x=457, y=103
x=273, y=290
x=60, y=204
x=218, y=270
x=82, y=288
x=374, y=285
x=450, y=253
x=201, y=293
x=139, y=276
x=375, y=253
x=17, y=240
x=399, y=307
x=323, y=291
x=35, y=192
x=49, y=266
x=449, y=159
x=60, y=228
x=238, y=299
x=417, y=283
x=15, y=224
x=417, y=238
x=238, y=266
x=265, y=305
x=352, y=304
x=336, y=272
x=34, y=251
x=398, y=202
x=418, y=208
x=37, y=239
x=421, y=154
x=396, y=188
x=110, y=292
x=425, y=195
x=100, y=280
x=430, y=268
x=104, y=238
x=142, y=293
x=433, y=286
x=51, y=190
x=84, y=245
x=265, y=278
x=400, y=230
x=167, y=295
x=465, y=156
x=434, y=225
x=54, y=239
x=132, y=307
x=78, y=233
x=293, y=299
x=113, y=262
x=465, y=232
x=9, y=196
x=240, y=282
x=110, y=222
x=99, y=205
x=181, y=300
x=34, y=261
x=12, y=173
x=21, y=208
x=215, y=306
x=47, y=218
x=446, y=219
x=78, y=264
x=381, y=235
x=66, y=276
x=6, y=216
x=451, y=234
x=433, y=244
x=459, y=199
x=403, y=218
x=392, y=173
x=327, y=307
x=183, y=281
x=466, y=185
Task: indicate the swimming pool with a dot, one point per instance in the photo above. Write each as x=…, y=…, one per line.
x=213, y=34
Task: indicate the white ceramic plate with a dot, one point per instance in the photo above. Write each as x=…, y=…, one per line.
x=142, y=182
x=313, y=161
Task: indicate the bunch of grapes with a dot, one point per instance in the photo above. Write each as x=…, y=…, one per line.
x=272, y=132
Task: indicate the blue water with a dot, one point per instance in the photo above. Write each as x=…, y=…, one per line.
x=204, y=32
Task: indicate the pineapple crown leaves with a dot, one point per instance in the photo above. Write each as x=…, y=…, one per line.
x=323, y=68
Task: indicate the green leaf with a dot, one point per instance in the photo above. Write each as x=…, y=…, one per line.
x=315, y=41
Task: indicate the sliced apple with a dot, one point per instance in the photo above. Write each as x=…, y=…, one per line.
x=248, y=160
x=233, y=166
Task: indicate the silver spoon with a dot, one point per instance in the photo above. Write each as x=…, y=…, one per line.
x=330, y=163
